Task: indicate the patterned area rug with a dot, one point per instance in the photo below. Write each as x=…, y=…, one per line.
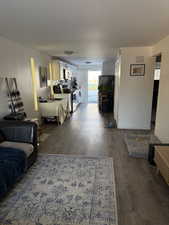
x=138, y=144
x=63, y=190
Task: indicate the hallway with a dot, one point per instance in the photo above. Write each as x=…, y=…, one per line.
x=142, y=196
x=93, y=81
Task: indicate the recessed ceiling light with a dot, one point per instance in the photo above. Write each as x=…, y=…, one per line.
x=68, y=52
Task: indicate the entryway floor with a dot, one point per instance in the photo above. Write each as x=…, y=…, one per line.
x=142, y=195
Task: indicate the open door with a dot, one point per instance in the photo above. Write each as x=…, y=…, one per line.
x=157, y=67
x=93, y=80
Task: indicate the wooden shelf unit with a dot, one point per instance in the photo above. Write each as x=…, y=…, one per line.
x=162, y=161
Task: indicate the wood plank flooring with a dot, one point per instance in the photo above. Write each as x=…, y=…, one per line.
x=142, y=195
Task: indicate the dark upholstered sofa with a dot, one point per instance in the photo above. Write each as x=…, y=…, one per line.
x=18, y=151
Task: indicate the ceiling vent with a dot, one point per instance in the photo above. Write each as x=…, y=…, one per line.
x=68, y=52
x=88, y=62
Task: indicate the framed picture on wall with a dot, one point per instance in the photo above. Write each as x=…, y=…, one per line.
x=43, y=76
x=137, y=69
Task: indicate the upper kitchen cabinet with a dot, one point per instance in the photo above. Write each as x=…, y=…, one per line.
x=55, y=70
x=62, y=70
x=66, y=71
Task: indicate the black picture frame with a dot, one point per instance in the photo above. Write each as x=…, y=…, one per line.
x=43, y=76
x=137, y=70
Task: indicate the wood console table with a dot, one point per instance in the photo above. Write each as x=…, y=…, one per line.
x=162, y=161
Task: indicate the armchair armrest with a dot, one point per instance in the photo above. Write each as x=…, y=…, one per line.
x=19, y=131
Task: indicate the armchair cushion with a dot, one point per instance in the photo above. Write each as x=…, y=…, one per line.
x=27, y=148
x=22, y=132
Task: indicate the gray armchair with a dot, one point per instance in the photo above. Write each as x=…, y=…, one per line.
x=22, y=135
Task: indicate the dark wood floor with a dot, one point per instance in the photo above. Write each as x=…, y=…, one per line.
x=142, y=195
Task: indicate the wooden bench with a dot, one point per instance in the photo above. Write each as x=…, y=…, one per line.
x=162, y=161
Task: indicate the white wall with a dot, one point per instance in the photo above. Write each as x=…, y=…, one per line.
x=15, y=62
x=108, y=68
x=162, y=115
x=117, y=88
x=135, y=95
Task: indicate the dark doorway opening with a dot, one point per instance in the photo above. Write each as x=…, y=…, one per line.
x=157, y=67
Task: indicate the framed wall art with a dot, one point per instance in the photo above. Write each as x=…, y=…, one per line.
x=137, y=69
x=43, y=76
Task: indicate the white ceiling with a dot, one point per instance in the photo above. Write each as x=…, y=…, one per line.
x=91, y=28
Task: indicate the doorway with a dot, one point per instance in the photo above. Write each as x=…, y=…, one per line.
x=93, y=80
x=157, y=67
